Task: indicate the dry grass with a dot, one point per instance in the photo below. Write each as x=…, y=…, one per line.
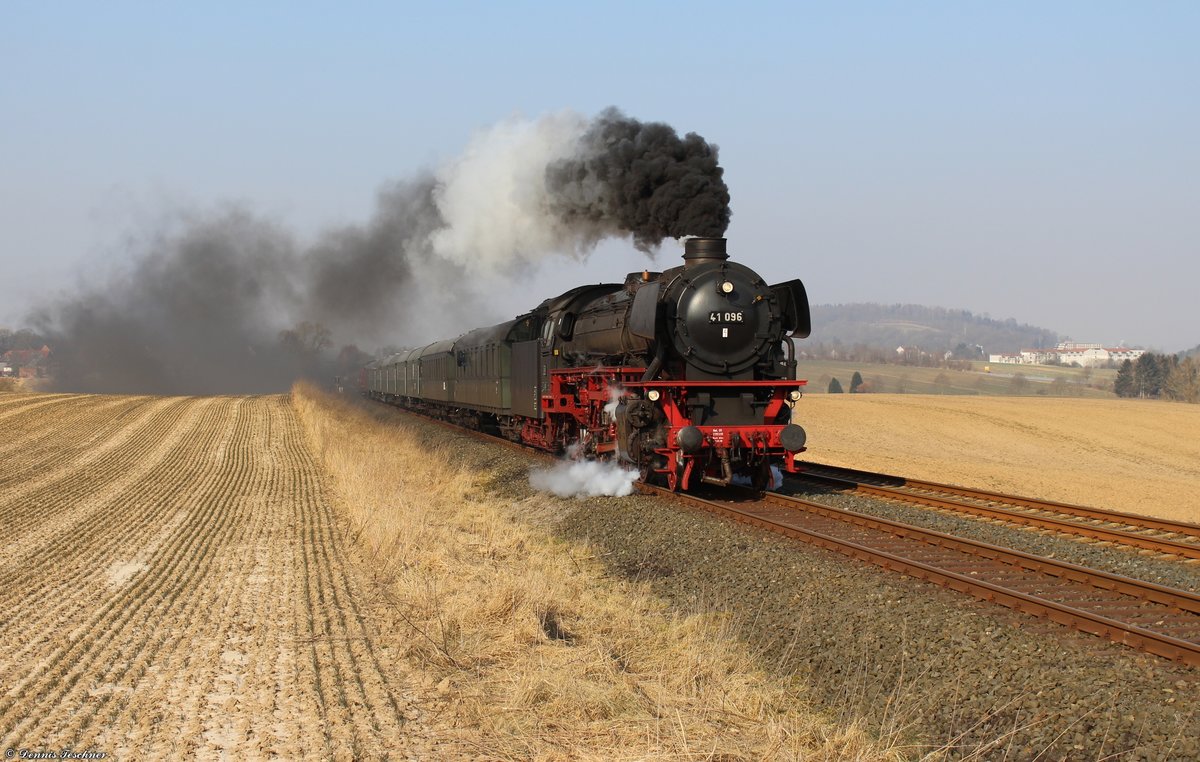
x=9, y=385
x=533, y=651
x=1141, y=456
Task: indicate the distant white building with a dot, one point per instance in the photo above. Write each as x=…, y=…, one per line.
x=1068, y=353
x=1121, y=354
x=1008, y=359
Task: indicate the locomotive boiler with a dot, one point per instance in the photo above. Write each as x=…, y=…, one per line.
x=688, y=375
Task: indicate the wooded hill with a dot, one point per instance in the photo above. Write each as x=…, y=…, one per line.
x=933, y=329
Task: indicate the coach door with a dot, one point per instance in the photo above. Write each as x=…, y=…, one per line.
x=526, y=378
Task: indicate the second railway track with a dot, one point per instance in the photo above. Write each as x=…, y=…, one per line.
x=1153, y=618
x=1175, y=538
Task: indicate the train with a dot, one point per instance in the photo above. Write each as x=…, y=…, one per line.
x=687, y=375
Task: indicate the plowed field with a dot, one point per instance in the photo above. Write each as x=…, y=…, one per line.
x=174, y=584
x=1141, y=456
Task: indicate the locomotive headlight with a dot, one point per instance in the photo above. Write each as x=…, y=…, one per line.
x=653, y=395
x=794, y=395
x=726, y=287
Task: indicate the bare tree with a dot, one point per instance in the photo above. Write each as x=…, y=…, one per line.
x=1183, y=383
x=307, y=338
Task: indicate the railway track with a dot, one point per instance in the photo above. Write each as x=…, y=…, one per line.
x=1176, y=538
x=1153, y=618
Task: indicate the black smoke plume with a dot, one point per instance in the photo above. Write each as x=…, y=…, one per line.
x=228, y=302
x=641, y=179
x=192, y=315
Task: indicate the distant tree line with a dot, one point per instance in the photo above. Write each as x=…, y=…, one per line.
x=20, y=339
x=1155, y=376
x=310, y=347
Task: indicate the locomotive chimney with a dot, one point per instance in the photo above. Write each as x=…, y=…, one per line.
x=698, y=250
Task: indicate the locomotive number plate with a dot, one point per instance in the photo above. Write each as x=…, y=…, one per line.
x=726, y=317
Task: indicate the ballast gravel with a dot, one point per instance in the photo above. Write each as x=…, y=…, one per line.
x=928, y=668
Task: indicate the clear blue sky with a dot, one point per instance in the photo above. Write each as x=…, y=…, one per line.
x=1031, y=160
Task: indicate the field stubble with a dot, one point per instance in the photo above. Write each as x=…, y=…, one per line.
x=177, y=585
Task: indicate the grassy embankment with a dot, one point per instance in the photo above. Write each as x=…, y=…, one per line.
x=987, y=379
x=534, y=651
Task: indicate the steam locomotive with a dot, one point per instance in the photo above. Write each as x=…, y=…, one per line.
x=688, y=375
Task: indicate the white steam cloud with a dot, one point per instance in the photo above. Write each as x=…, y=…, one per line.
x=584, y=478
x=493, y=198
x=614, y=401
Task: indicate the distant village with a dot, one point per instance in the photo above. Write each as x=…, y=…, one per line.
x=1071, y=353
x=25, y=363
